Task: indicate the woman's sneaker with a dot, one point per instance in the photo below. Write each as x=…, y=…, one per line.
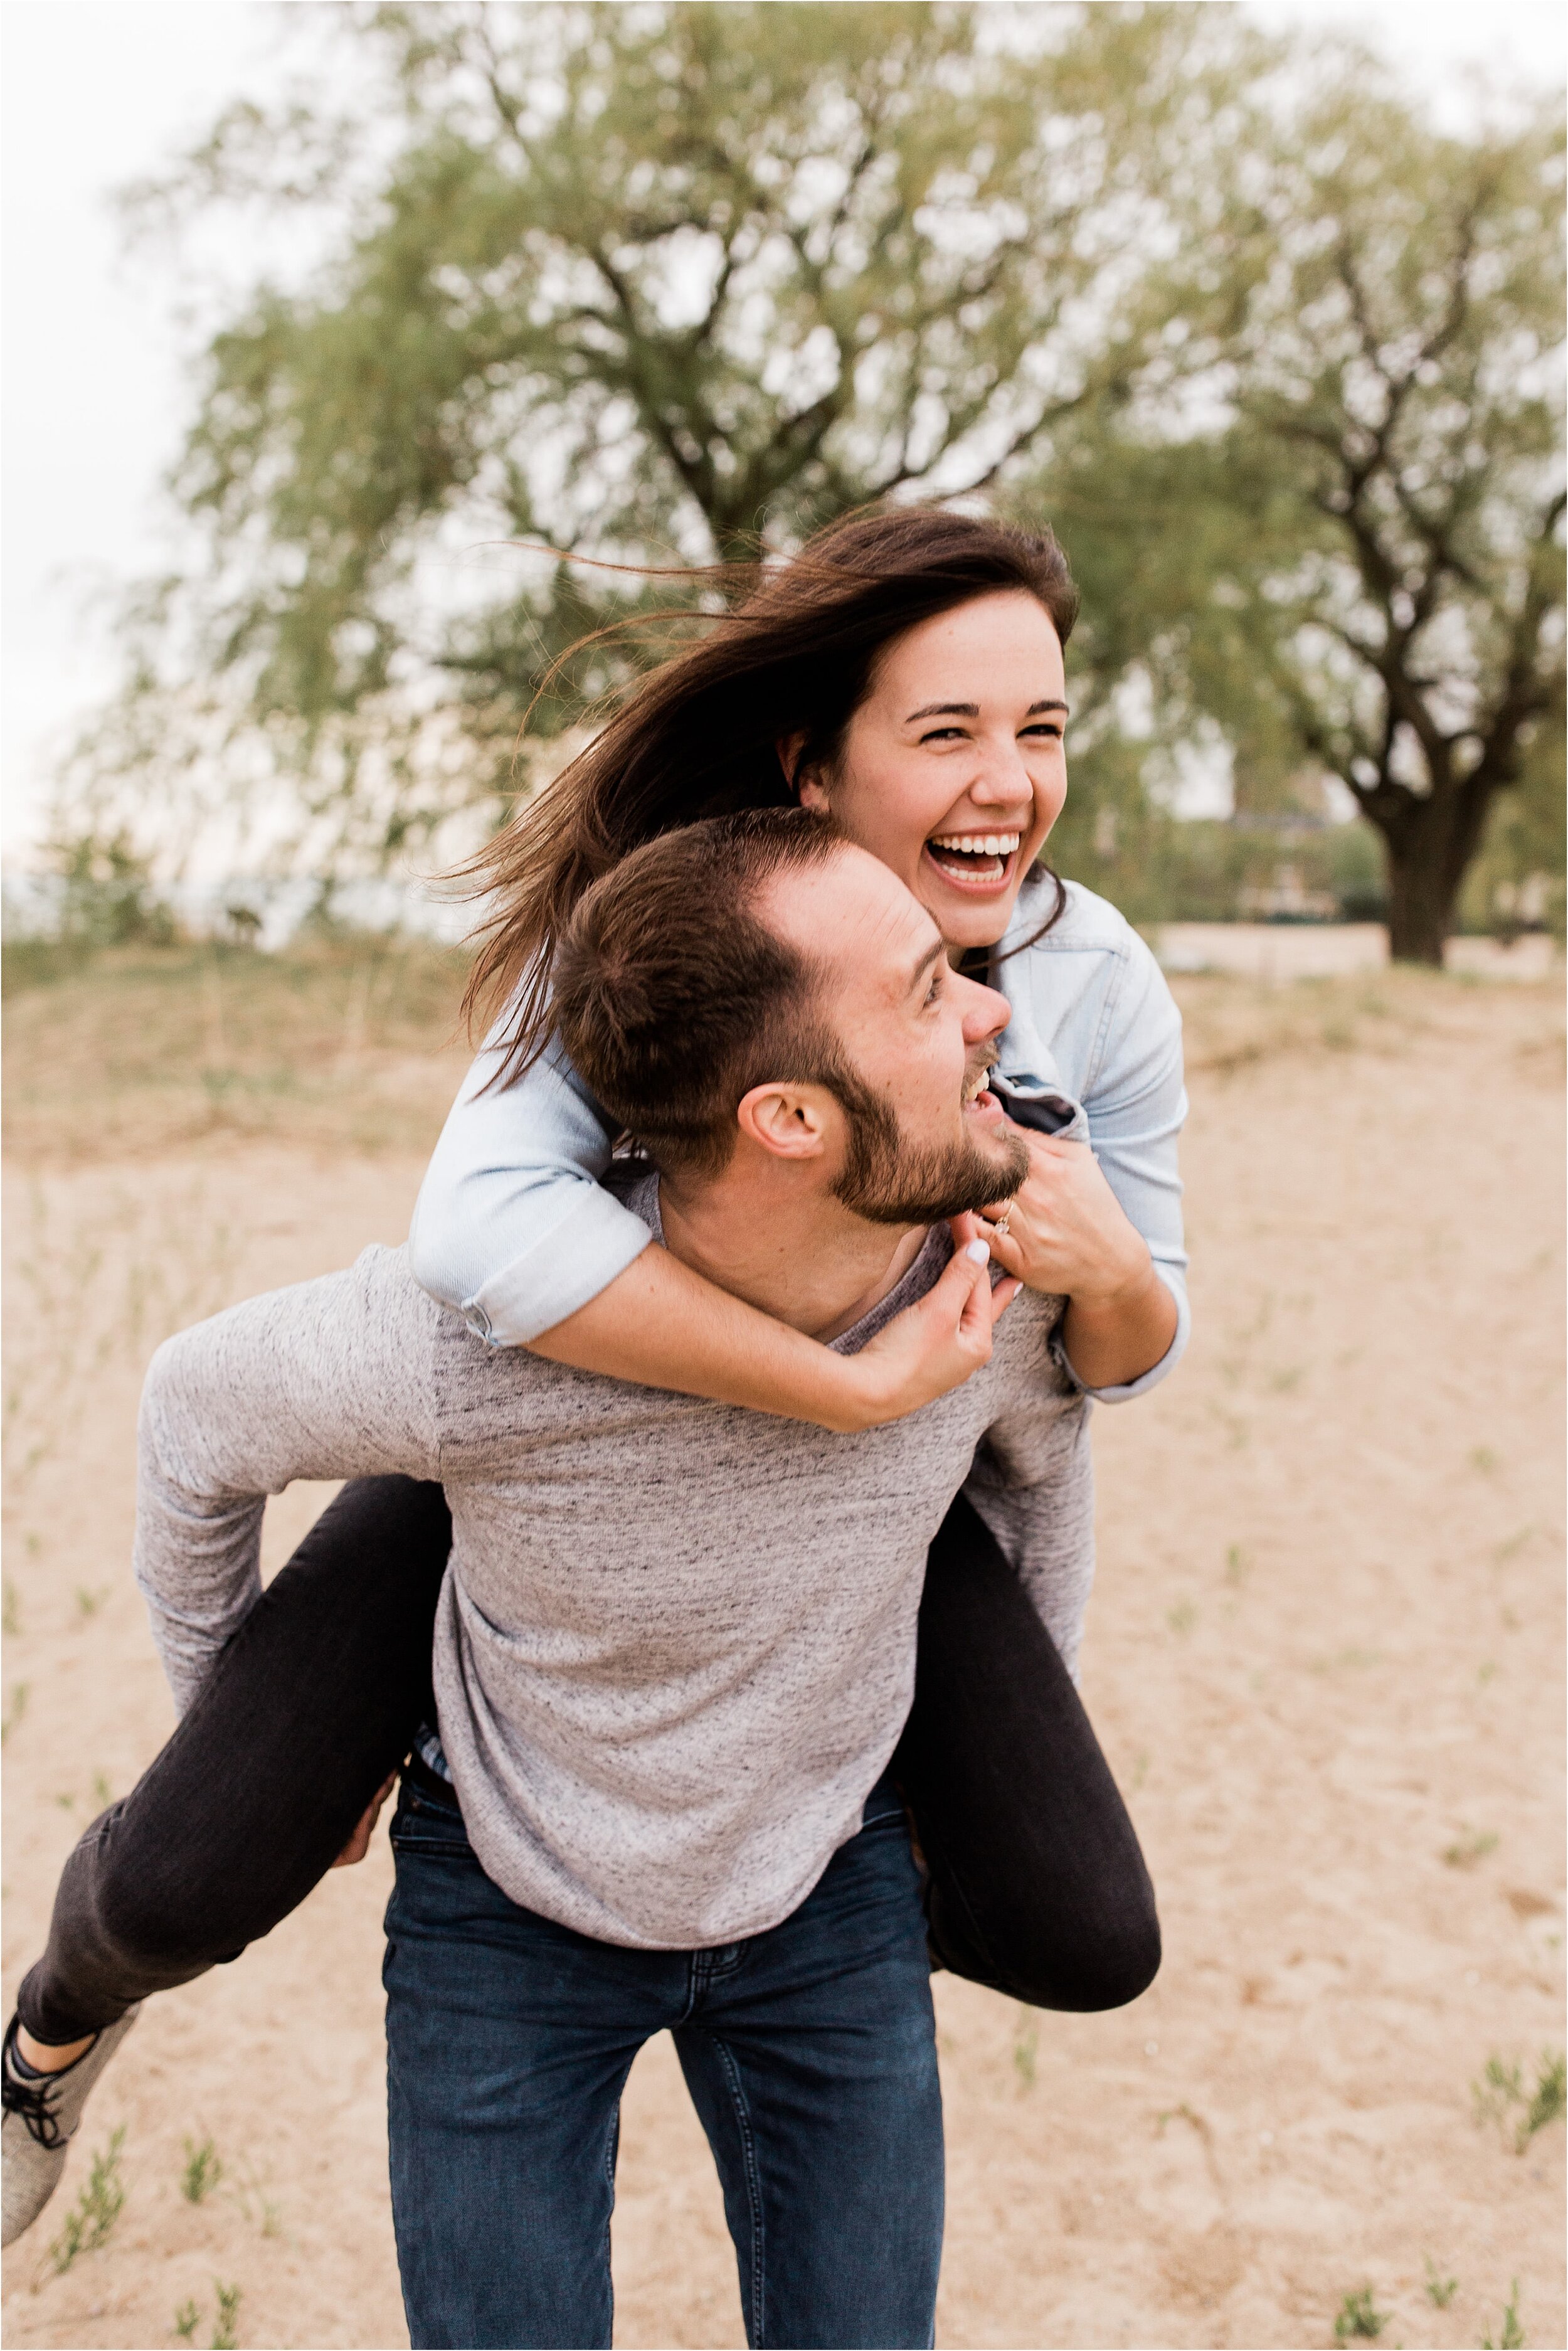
x=42, y=2111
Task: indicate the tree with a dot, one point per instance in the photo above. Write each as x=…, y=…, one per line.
x=1396, y=472
x=650, y=284
x=631, y=282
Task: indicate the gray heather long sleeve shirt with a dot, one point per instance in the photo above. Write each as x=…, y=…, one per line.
x=676, y=1644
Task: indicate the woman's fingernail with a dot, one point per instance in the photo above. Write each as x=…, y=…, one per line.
x=978, y=1252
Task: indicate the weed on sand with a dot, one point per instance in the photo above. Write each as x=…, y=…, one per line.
x=1510, y=2334
x=1358, y=2318
x=1440, y=2290
x=95, y=2210
x=204, y=2170
x=1468, y=1848
x=225, y=2329
x=1500, y=2095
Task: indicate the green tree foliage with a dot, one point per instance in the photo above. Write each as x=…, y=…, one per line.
x=1400, y=412
x=639, y=284
x=653, y=284
x=1358, y=566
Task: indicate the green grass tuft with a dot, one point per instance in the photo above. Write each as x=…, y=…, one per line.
x=1358, y=2319
x=224, y=2335
x=1512, y=2337
x=1440, y=2291
x=1500, y=2094
x=95, y=2210
x=204, y=2170
x=1026, y=2047
x=1549, y=2097
x=1468, y=1848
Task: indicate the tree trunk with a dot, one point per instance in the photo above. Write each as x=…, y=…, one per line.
x=1419, y=910
x=1430, y=841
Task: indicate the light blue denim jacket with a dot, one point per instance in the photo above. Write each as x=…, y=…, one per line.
x=513, y=1229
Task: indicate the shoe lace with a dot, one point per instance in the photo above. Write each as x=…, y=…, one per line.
x=31, y=2101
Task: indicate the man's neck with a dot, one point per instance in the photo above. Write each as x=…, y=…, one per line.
x=799, y=1255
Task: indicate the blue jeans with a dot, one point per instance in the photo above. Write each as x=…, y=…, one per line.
x=810, y=2053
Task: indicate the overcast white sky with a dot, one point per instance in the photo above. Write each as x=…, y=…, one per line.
x=95, y=95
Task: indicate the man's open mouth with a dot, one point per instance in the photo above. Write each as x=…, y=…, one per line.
x=983, y=858
x=977, y=1095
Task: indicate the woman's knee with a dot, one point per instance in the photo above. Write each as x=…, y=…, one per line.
x=1080, y=1965
x=1117, y=1967
x=1112, y=1965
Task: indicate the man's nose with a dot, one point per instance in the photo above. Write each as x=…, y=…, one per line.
x=985, y=1012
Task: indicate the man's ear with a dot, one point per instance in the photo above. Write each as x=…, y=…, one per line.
x=787, y=1122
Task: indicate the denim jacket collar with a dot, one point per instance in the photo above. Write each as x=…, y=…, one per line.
x=1027, y=1080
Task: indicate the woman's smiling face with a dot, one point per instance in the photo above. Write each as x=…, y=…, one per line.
x=952, y=769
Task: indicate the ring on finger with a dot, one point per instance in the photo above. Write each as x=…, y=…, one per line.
x=1003, y=1222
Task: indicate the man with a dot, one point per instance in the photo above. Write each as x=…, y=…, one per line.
x=676, y=1642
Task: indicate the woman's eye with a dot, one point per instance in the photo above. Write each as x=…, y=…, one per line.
x=943, y=734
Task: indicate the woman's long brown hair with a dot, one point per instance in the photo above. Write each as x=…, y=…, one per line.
x=698, y=735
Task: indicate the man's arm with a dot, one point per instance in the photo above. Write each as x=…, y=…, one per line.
x=329, y=1379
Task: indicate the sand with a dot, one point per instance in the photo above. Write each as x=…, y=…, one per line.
x=1273, y=952
x=1324, y=1655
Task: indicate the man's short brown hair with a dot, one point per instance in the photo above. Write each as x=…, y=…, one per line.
x=674, y=999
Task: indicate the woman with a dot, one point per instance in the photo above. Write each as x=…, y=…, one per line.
x=904, y=675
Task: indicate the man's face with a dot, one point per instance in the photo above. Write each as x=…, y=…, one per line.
x=924, y=1139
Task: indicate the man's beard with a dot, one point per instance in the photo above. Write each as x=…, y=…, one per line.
x=888, y=1180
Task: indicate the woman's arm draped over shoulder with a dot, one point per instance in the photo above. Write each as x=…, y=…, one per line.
x=513, y=1228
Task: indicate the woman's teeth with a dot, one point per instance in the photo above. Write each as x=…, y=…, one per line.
x=979, y=856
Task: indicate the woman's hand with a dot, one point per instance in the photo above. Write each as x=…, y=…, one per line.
x=1066, y=1233
x=359, y=1844
x=933, y=1345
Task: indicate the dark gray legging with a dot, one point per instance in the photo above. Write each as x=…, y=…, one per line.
x=1037, y=1884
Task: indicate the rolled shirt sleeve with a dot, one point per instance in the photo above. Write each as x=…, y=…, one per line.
x=1176, y=1284
x=512, y=1228
x=1135, y=1098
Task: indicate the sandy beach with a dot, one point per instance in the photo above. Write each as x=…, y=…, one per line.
x=1324, y=1657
